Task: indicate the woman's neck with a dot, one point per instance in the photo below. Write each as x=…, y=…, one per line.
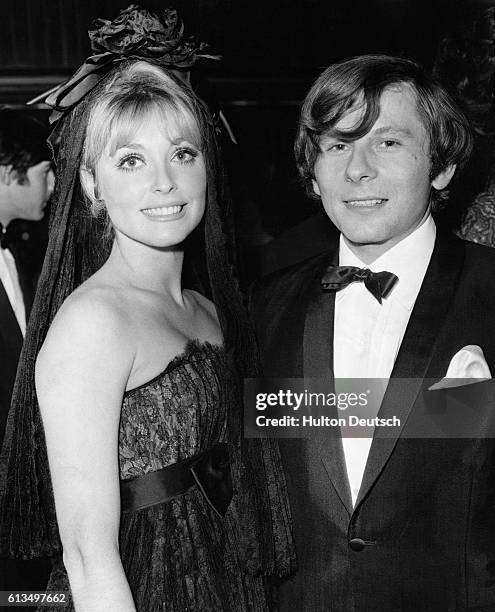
x=149, y=268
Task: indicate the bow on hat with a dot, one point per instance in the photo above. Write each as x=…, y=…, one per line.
x=134, y=34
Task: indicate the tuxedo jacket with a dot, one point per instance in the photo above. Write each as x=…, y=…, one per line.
x=425, y=515
x=14, y=573
x=10, y=335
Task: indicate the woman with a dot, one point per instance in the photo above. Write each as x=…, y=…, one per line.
x=135, y=377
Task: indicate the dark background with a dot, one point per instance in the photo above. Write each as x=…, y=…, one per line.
x=260, y=39
x=272, y=50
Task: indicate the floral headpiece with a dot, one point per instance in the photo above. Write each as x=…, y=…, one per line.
x=134, y=34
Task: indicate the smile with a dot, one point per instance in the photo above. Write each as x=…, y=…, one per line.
x=163, y=211
x=372, y=202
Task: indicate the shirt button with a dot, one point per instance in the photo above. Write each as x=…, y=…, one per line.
x=357, y=544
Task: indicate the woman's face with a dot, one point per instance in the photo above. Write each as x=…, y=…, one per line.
x=153, y=184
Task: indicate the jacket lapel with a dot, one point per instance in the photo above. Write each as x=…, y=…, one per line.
x=318, y=364
x=25, y=280
x=9, y=330
x=430, y=310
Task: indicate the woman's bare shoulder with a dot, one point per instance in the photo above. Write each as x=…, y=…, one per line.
x=93, y=324
x=94, y=305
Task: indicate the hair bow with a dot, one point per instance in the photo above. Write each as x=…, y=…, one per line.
x=134, y=34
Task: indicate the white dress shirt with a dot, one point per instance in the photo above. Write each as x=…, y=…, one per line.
x=367, y=334
x=10, y=282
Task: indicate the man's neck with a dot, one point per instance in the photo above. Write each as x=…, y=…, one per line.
x=368, y=253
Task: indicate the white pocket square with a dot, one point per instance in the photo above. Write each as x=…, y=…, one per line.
x=468, y=363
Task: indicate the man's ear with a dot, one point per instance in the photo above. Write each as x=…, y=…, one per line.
x=444, y=178
x=88, y=184
x=6, y=175
x=316, y=189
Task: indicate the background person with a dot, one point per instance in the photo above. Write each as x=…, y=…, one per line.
x=26, y=184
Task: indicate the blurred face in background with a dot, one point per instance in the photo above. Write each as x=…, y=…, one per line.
x=25, y=197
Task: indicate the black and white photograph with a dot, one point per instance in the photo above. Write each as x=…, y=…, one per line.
x=247, y=305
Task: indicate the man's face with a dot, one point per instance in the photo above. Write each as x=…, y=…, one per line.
x=29, y=197
x=376, y=189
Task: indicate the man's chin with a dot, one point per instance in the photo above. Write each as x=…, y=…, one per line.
x=364, y=239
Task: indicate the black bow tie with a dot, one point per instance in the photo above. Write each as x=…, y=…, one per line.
x=379, y=284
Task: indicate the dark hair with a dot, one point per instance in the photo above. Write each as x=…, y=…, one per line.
x=22, y=142
x=362, y=80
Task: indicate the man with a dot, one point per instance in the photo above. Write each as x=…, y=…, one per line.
x=397, y=523
x=26, y=183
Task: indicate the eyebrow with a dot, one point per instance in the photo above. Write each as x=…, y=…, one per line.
x=386, y=129
x=140, y=147
x=127, y=145
x=390, y=129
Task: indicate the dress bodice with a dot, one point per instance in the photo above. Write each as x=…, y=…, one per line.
x=179, y=413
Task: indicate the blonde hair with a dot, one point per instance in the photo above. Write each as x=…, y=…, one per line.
x=135, y=93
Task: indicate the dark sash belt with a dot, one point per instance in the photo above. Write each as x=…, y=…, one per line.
x=209, y=471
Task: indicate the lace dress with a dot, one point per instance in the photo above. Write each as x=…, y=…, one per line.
x=181, y=556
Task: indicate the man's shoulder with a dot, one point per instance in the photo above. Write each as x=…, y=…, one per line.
x=287, y=290
x=478, y=251
x=476, y=278
x=479, y=260
x=292, y=277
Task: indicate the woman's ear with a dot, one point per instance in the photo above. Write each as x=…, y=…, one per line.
x=90, y=189
x=316, y=189
x=88, y=184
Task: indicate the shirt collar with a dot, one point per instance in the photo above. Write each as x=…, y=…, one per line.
x=408, y=260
